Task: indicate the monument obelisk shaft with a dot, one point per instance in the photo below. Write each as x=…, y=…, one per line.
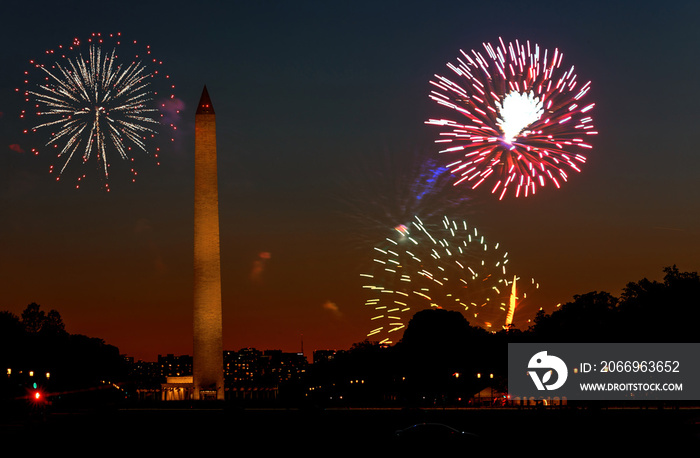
x=208, y=365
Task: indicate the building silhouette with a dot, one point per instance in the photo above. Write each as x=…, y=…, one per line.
x=249, y=374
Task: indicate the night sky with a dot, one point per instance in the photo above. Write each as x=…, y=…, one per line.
x=320, y=118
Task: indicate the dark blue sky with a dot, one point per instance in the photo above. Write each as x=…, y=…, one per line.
x=309, y=96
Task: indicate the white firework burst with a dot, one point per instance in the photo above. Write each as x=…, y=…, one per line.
x=95, y=106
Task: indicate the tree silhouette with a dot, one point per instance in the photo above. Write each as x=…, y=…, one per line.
x=437, y=349
x=53, y=323
x=652, y=311
x=39, y=342
x=35, y=320
x=647, y=311
x=590, y=317
x=436, y=329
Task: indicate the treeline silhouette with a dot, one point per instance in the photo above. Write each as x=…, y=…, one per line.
x=646, y=311
x=38, y=342
x=440, y=355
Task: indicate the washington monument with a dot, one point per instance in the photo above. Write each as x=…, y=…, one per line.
x=208, y=364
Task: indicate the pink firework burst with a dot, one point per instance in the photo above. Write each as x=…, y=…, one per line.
x=521, y=122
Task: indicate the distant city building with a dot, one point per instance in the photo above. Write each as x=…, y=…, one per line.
x=244, y=366
x=157, y=371
x=248, y=373
x=269, y=367
x=325, y=355
x=285, y=366
x=175, y=366
x=144, y=374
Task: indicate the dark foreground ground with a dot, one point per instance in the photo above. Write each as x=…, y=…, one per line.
x=270, y=432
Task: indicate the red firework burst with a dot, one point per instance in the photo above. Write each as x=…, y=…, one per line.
x=521, y=120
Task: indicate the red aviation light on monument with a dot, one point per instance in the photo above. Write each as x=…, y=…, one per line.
x=205, y=106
